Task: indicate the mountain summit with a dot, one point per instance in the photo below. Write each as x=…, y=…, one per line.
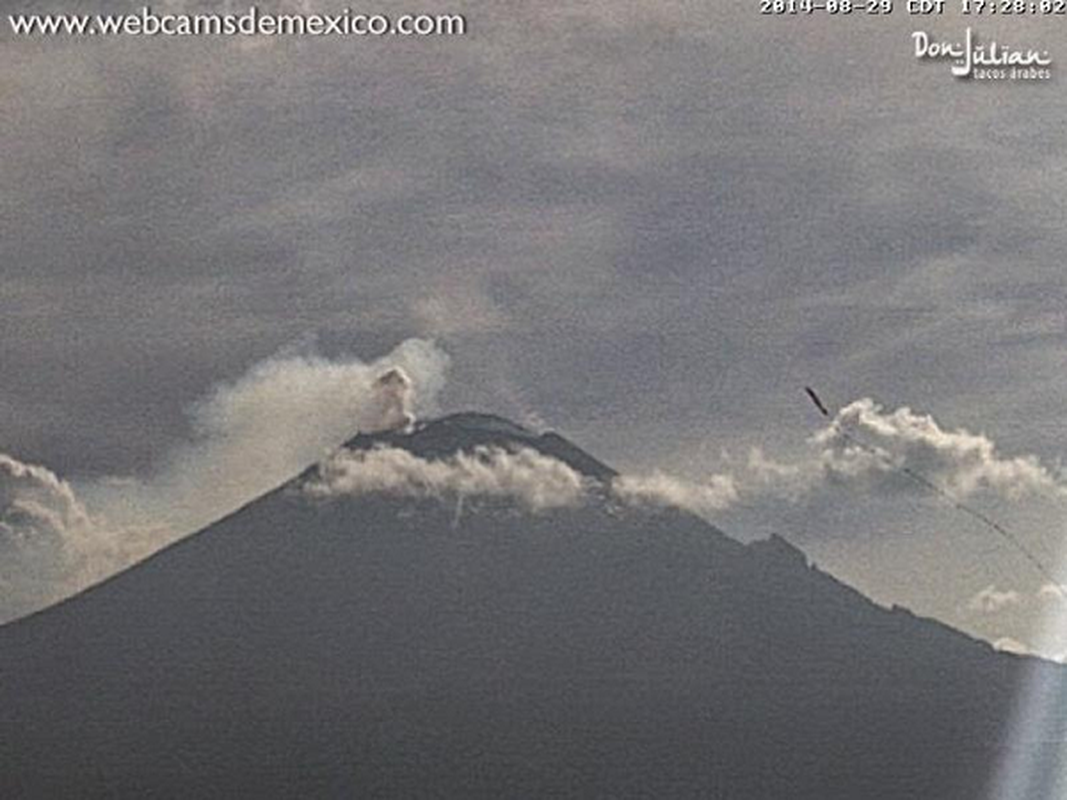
x=399, y=622
x=446, y=436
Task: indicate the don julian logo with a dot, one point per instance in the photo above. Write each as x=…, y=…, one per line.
x=977, y=60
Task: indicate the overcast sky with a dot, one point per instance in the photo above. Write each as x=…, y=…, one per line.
x=645, y=225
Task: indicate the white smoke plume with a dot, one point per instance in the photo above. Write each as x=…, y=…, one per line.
x=391, y=398
x=659, y=488
x=250, y=435
x=258, y=431
x=537, y=481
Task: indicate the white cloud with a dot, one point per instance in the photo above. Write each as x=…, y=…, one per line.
x=659, y=488
x=32, y=495
x=41, y=522
x=534, y=479
x=892, y=452
x=958, y=461
x=992, y=600
x=50, y=546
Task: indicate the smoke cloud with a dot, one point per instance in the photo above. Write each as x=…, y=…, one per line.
x=659, y=488
x=392, y=399
x=250, y=435
x=258, y=431
x=537, y=481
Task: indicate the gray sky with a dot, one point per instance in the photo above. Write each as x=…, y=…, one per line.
x=646, y=225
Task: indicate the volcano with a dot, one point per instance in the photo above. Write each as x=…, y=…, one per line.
x=385, y=645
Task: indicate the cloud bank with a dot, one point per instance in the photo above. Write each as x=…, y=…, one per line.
x=958, y=461
x=537, y=481
x=868, y=448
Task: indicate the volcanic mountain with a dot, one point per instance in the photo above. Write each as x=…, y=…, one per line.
x=385, y=644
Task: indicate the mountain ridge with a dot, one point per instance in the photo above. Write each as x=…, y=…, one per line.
x=384, y=646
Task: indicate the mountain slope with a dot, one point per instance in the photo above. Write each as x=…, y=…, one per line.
x=375, y=646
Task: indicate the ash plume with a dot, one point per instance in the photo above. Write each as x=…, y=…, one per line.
x=249, y=435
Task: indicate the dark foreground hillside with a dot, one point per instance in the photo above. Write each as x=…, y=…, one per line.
x=388, y=647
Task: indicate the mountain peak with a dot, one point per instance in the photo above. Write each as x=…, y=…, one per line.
x=445, y=436
x=780, y=550
x=480, y=422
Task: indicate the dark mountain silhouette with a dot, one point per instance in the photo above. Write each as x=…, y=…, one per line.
x=373, y=646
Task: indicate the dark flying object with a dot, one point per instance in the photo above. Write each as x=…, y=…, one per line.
x=815, y=399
